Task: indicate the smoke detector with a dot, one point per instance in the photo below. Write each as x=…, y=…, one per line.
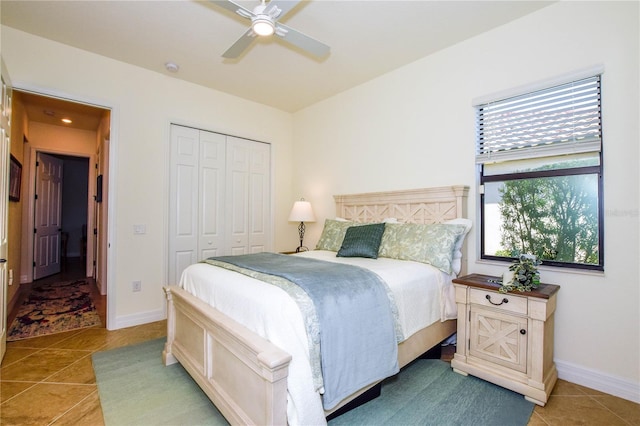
x=171, y=67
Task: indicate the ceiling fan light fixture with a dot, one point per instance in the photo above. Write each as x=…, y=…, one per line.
x=262, y=25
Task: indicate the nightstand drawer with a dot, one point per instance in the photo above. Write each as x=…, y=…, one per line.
x=504, y=302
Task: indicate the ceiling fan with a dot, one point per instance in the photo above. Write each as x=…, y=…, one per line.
x=264, y=23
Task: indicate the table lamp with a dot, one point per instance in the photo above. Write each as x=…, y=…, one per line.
x=301, y=212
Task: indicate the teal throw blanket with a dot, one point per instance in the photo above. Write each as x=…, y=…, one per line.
x=358, y=344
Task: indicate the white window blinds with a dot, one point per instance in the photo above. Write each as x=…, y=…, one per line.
x=563, y=119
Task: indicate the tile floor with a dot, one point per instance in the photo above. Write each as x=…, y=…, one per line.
x=49, y=380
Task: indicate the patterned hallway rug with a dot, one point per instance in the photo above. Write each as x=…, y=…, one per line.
x=54, y=308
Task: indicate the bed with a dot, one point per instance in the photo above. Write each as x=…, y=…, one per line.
x=249, y=367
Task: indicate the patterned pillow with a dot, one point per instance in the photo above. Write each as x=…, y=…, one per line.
x=333, y=234
x=433, y=243
x=362, y=241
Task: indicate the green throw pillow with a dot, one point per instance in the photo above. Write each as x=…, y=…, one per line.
x=362, y=241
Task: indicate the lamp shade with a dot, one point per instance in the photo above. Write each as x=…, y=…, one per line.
x=302, y=212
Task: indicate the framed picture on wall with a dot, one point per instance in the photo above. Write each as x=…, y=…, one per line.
x=15, y=179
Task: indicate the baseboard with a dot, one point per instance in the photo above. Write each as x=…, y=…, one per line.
x=139, y=319
x=11, y=305
x=599, y=381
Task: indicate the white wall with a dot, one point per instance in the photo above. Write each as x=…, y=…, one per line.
x=414, y=127
x=144, y=103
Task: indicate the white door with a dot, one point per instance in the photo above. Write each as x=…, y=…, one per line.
x=5, y=146
x=259, y=198
x=196, y=224
x=211, y=193
x=248, y=196
x=219, y=197
x=48, y=216
x=237, y=196
x=183, y=199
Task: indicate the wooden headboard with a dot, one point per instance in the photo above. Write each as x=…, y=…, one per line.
x=426, y=205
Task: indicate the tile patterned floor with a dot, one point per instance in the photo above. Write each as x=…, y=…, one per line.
x=49, y=380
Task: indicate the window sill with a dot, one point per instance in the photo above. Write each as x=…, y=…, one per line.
x=553, y=269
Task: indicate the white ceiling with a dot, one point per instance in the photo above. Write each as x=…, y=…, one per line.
x=367, y=39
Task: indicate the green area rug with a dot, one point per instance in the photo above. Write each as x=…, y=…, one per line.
x=54, y=308
x=137, y=389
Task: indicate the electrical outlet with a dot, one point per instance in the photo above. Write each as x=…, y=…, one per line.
x=136, y=285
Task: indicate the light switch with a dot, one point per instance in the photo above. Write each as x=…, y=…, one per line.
x=139, y=229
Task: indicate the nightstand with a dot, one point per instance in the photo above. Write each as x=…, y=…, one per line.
x=506, y=338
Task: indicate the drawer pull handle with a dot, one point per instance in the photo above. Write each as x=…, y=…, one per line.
x=523, y=331
x=505, y=300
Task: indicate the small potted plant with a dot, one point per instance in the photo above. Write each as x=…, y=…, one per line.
x=523, y=274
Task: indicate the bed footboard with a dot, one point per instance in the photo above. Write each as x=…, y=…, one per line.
x=243, y=374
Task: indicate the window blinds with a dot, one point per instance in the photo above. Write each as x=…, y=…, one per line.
x=559, y=120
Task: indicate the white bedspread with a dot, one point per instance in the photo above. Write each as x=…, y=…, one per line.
x=423, y=296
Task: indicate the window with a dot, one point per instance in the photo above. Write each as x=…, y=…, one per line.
x=539, y=157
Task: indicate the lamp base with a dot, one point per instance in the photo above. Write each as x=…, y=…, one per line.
x=301, y=234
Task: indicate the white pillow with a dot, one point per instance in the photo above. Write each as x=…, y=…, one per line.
x=456, y=263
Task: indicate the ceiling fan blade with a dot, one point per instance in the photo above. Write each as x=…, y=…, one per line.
x=233, y=7
x=284, y=7
x=302, y=41
x=240, y=45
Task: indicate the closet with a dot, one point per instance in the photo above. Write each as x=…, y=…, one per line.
x=219, y=202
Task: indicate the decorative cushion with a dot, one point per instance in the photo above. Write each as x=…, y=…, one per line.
x=427, y=243
x=333, y=234
x=362, y=241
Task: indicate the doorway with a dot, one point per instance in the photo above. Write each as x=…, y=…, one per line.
x=82, y=146
x=61, y=215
